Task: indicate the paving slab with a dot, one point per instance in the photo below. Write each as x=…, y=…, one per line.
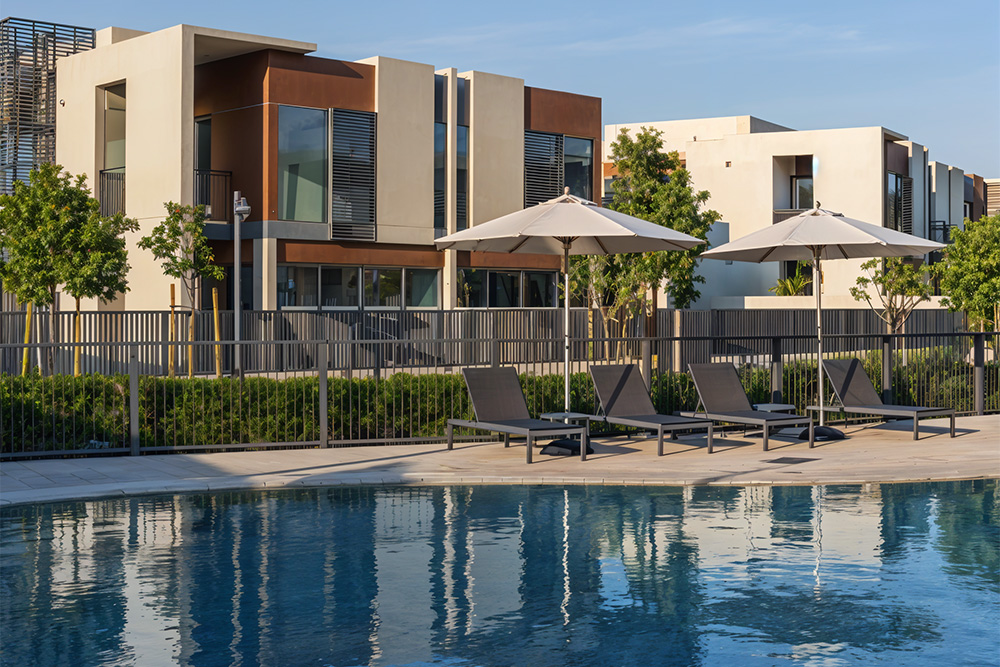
x=870, y=453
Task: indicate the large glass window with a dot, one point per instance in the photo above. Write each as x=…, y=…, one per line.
x=114, y=127
x=579, y=166
x=539, y=290
x=894, y=201
x=505, y=289
x=470, y=288
x=462, y=179
x=297, y=286
x=440, y=177
x=421, y=288
x=302, y=164
x=339, y=286
x=802, y=191
x=384, y=288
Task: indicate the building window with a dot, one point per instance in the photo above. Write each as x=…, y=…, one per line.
x=440, y=176
x=899, y=202
x=339, y=286
x=353, y=150
x=383, y=287
x=114, y=127
x=578, y=166
x=297, y=286
x=441, y=154
x=302, y=164
x=543, y=167
x=421, y=288
x=802, y=192
x=480, y=288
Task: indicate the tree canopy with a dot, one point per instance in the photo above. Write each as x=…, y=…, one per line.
x=969, y=273
x=180, y=244
x=899, y=286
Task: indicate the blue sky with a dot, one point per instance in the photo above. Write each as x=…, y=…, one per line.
x=926, y=69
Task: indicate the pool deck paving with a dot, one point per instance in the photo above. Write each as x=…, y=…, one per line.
x=883, y=452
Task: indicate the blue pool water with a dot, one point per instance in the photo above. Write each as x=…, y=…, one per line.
x=892, y=574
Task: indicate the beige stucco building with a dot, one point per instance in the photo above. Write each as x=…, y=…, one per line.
x=759, y=173
x=351, y=169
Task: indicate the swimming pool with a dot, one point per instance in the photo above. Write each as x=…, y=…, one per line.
x=893, y=574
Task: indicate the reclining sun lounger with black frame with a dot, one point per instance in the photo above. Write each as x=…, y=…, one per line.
x=724, y=400
x=499, y=405
x=858, y=396
x=625, y=402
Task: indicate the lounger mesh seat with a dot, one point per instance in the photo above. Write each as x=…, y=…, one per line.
x=858, y=396
x=723, y=398
x=499, y=405
x=624, y=400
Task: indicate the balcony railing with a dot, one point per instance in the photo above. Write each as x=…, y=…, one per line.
x=213, y=190
x=112, y=191
x=782, y=214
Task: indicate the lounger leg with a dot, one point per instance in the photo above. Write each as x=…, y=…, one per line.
x=531, y=443
x=765, y=437
x=584, y=443
x=710, y=436
x=506, y=439
x=659, y=441
x=450, y=430
x=915, y=422
x=812, y=434
x=952, y=424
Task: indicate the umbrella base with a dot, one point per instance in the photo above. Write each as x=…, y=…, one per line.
x=564, y=447
x=822, y=433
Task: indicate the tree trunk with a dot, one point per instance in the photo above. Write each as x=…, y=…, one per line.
x=76, y=339
x=53, y=334
x=26, y=357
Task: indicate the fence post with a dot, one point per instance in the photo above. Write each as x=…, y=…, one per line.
x=495, y=352
x=647, y=362
x=322, y=364
x=777, y=371
x=886, y=369
x=979, y=372
x=133, y=400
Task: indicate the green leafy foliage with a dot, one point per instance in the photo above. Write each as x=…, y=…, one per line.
x=179, y=243
x=792, y=286
x=651, y=185
x=53, y=234
x=898, y=286
x=970, y=272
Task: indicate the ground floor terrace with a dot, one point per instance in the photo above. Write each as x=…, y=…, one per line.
x=878, y=452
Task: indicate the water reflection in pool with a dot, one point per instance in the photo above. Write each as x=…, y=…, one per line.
x=901, y=574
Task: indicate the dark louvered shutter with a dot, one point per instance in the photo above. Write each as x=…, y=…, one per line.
x=352, y=175
x=543, y=167
x=906, y=222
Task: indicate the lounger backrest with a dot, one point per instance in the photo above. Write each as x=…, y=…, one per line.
x=621, y=391
x=851, y=383
x=719, y=388
x=496, y=394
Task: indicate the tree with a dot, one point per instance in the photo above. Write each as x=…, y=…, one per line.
x=899, y=286
x=53, y=234
x=970, y=272
x=180, y=244
x=653, y=185
x=794, y=285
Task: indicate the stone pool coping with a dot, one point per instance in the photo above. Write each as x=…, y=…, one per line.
x=871, y=453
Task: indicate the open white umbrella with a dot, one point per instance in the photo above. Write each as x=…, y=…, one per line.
x=816, y=235
x=567, y=225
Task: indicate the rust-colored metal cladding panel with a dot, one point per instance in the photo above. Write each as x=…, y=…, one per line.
x=332, y=252
x=565, y=113
x=228, y=84
x=223, y=252
x=503, y=260
x=320, y=83
x=236, y=147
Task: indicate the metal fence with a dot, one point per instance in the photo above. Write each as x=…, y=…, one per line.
x=340, y=392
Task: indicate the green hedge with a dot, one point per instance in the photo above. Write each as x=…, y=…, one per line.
x=66, y=413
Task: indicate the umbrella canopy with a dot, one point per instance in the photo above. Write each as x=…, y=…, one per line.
x=821, y=233
x=816, y=235
x=588, y=228
x=567, y=225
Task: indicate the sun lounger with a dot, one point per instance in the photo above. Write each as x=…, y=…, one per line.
x=724, y=400
x=499, y=405
x=858, y=396
x=625, y=402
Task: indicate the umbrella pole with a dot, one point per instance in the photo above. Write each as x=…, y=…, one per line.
x=822, y=432
x=566, y=326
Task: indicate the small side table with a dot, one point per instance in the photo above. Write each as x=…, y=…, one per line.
x=572, y=418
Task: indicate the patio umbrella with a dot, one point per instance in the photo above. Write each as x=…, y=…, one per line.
x=816, y=235
x=567, y=225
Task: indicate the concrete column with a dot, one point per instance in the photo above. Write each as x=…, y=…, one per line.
x=265, y=277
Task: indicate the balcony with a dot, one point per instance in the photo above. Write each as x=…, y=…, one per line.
x=782, y=214
x=111, y=187
x=213, y=190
